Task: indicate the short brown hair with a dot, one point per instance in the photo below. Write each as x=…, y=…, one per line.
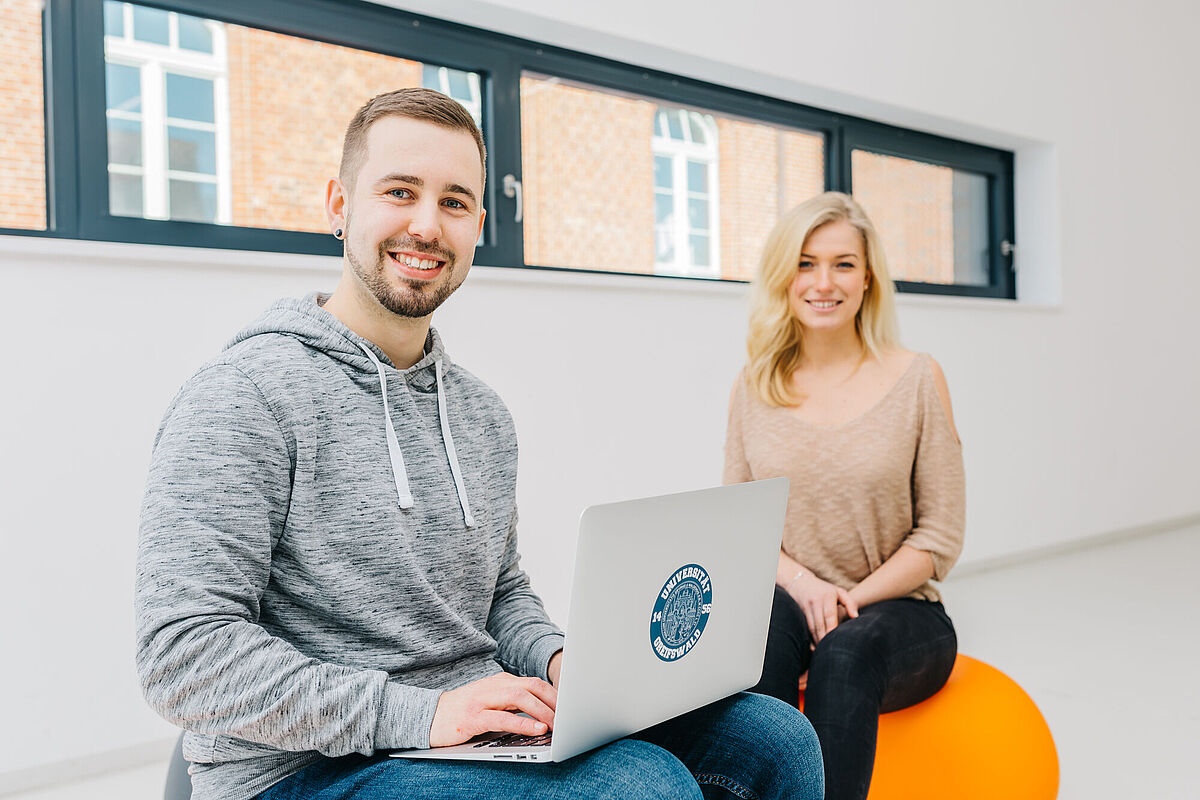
x=423, y=104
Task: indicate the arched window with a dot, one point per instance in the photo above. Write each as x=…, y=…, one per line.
x=686, y=233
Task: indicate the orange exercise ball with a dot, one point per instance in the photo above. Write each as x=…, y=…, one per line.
x=981, y=737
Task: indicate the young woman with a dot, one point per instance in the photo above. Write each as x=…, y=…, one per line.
x=864, y=431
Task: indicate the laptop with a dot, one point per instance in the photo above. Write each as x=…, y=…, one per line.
x=669, y=612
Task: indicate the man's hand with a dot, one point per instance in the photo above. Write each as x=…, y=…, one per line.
x=490, y=705
x=554, y=667
x=821, y=603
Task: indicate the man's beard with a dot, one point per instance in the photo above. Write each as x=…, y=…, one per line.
x=423, y=298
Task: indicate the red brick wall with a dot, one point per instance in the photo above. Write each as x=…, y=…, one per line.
x=22, y=116
x=803, y=167
x=749, y=169
x=289, y=101
x=588, y=177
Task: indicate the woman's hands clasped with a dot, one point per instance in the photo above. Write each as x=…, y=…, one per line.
x=824, y=605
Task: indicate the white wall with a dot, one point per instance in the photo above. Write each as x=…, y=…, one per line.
x=1078, y=413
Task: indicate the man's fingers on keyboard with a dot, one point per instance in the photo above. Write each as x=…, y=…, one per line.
x=510, y=723
x=532, y=705
x=542, y=690
x=516, y=740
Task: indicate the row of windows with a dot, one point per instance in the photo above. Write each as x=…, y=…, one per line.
x=218, y=124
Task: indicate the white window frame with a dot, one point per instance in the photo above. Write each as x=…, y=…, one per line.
x=153, y=62
x=680, y=151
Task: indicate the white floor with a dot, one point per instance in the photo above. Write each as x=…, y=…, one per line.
x=1105, y=640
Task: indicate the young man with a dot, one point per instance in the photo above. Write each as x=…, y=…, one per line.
x=328, y=566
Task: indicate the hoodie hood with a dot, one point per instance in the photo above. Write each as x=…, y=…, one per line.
x=305, y=320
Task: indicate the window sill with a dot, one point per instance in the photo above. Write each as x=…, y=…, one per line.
x=50, y=249
x=153, y=255
x=917, y=300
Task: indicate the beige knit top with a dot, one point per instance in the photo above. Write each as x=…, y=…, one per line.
x=891, y=476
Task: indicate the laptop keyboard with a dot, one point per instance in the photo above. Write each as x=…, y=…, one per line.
x=517, y=740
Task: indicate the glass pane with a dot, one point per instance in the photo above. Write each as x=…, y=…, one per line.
x=189, y=98
x=664, y=207
x=697, y=177
x=124, y=142
x=431, y=77
x=196, y=202
x=124, y=195
x=191, y=150
x=151, y=25
x=699, y=136
x=663, y=173
x=194, y=34
x=664, y=245
x=22, y=117
x=674, y=127
x=575, y=137
x=698, y=214
x=931, y=219
x=460, y=84
x=972, y=254
x=114, y=18
x=280, y=168
x=699, y=250
x=660, y=123
x=123, y=87
x=280, y=154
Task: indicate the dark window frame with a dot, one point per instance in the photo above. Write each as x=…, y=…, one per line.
x=76, y=147
x=995, y=165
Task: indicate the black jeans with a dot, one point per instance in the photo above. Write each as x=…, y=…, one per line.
x=894, y=655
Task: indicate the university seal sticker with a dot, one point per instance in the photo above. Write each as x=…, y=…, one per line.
x=680, y=612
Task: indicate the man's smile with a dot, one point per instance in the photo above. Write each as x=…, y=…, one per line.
x=421, y=266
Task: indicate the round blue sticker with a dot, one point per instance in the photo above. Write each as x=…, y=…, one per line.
x=680, y=612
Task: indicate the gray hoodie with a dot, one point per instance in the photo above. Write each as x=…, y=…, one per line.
x=327, y=543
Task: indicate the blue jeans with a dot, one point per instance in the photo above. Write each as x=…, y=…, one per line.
x=746, y=746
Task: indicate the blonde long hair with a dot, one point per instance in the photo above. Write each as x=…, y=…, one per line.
x=775, y=343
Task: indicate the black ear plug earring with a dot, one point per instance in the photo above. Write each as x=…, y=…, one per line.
x=337, y=234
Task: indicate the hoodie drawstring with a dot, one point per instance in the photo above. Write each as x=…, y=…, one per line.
x=399, y=474
x=448, y=440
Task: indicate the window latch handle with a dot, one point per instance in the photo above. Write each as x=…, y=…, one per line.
x=512, y=188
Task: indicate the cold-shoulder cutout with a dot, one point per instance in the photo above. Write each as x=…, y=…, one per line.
x=943, y=390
